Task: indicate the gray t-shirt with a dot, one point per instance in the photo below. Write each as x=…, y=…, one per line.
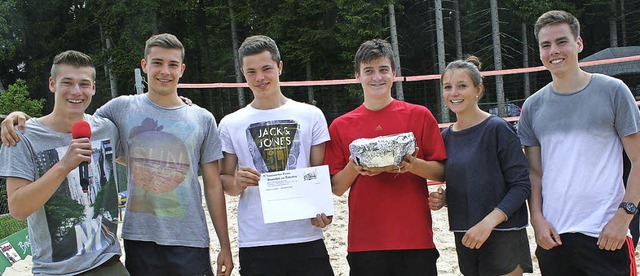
x=579, y=136
x=75, y=230
x=164, y=148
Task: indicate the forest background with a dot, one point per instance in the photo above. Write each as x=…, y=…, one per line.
x=317, y=41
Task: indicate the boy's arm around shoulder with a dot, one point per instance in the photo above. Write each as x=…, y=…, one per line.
x=216, y=205
x=8, y=133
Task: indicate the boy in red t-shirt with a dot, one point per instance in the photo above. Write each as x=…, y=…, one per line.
x=389, y=217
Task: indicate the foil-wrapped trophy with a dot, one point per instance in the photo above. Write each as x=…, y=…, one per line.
x=382, y=153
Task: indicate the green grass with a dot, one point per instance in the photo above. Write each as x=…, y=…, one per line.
x=9, y=225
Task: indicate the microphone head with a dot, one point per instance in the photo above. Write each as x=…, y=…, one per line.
x=81, y=129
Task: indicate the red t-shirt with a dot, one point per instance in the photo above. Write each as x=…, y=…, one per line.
x=388, y=211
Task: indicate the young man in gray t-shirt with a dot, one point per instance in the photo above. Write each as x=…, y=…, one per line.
x=573, y=131
x=72, y=228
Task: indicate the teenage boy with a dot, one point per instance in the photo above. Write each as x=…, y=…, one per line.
x=165, y=143
x=574, y=130
x=272, y=133
x=389, y=218
x=72, y=229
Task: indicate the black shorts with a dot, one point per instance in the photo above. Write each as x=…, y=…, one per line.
x=150, y=258
x=579, y=255
x=307, y=258
x=500, y=254
x=393, y=262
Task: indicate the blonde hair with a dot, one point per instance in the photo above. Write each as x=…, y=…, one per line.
x=167, y=41
x=74, y=58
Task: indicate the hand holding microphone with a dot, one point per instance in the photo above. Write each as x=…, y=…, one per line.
x=82, y=149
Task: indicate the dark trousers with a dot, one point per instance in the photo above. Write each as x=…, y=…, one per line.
x=150, y=258
x=419, y=262
x=297, y=259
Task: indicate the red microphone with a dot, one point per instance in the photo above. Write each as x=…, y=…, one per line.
x=82, y=129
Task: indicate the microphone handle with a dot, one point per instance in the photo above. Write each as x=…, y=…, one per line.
x=83, y=169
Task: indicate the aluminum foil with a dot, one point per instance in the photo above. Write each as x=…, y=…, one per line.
x=382, y=152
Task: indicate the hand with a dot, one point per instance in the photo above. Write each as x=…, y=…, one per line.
x=186, y=100
x=546, y=236
x=614, y=233
x=407, y=163
x=359, y=169
x=7, y=132
x=246, y=176
x=477, y=235
x=321, y=220
x=224, y=263
x=438, y=199
x=79, y=151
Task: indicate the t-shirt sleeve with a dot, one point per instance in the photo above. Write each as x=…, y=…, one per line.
x=627, y=115
x=432, y=145
x=334, y=155
x=110, y=109
x=525, y=128
x=211, y=149
x=320, y=130
x=18, y=161
x=225, y=137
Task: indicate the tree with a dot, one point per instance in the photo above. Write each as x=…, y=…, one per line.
x=497, y=56
x=396, y=51
x=17, y=98
x=8, y=42
x=613, y=26
x=236, y=61
x=441, y=56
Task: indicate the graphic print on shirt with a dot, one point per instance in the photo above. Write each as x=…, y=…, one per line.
x=158, y=163
x=274, y=145
x=81, y=219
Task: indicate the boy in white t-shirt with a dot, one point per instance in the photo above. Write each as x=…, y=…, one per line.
x=272, y=133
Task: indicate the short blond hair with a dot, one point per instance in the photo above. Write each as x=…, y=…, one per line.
x=73, y=58
x=165, y=40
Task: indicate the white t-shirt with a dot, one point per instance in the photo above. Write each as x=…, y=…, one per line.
x=579, y=135
x=272, y=140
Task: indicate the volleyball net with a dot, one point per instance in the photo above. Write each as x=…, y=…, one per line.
x=336, y=97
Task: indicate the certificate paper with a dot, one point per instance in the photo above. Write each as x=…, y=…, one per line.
x=296, y=194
